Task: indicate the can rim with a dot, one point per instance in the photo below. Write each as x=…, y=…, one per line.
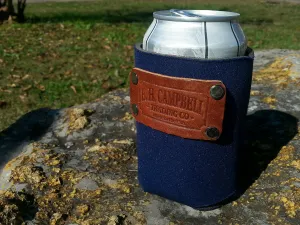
x=195, y=15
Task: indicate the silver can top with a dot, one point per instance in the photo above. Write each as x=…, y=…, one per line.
x=195, y=15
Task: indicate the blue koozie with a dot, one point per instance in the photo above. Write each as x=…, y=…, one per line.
x=190, y=117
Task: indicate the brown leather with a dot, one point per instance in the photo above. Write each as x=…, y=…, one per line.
x=178, y=106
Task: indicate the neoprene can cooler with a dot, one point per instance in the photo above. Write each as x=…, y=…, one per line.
x=190, y=114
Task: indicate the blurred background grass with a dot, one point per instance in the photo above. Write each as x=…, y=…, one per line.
x=70, y=53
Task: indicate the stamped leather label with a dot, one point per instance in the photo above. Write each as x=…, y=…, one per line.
x=180, y=106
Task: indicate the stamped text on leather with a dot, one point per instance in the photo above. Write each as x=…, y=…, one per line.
x=178, y=106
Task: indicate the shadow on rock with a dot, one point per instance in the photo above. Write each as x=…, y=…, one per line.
x=17, y=207
x=267, y=131
x=29, y=127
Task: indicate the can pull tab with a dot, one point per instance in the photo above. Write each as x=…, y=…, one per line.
x=183, y=13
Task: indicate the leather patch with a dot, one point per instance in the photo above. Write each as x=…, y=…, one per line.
x=180, y=106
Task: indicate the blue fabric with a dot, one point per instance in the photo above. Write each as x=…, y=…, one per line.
x=194, y=172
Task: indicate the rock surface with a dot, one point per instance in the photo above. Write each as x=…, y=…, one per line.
x=79, y=165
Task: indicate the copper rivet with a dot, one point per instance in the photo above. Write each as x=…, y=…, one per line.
x=134, y=78
x=217, y=92
x=212, y=132
x=135, y=109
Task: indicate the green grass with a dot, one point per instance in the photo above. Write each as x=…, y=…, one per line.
x=72, y=53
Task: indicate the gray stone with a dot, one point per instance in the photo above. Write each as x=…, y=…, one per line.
x=69, y=144
x=20, y=187
x=87, y=184
x=80, y=164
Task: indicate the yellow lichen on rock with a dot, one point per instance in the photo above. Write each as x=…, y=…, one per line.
x=278, y=73
x=113, y=220
x=77, y=119
x=57, y=219
x=55, y=181
x=79, y=123
x=72, y=176
x=56, y=170
x=128, y=116
x=10, y=164
x=234, y=203
x=82, y=209
x=289, y=206
x=120, y=184
x=291, y=180
x=126, y=189
x=28, y=174
x=296, y=164
x=109, y=152
x=125, y=141
x=54, y=162
x=270, y=100
x=285, y=153
x=26, y=157
x=95, y=148
x=140, y=217
x=255, y=93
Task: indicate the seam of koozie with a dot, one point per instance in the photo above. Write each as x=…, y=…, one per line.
x=208, y=61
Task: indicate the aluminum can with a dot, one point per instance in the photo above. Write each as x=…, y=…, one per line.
x=204, y=34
